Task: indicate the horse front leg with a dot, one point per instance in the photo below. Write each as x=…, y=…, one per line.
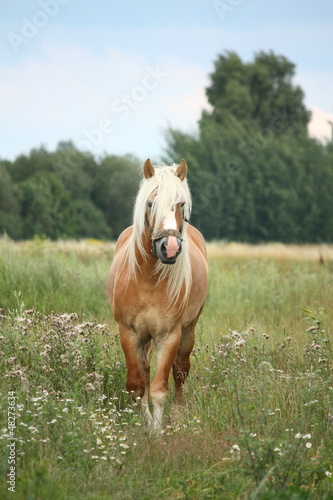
x=166, y=350
x=182, y=364
x=138, y=369
x=144, y=353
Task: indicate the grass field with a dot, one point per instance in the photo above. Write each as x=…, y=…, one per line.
x=259, y=419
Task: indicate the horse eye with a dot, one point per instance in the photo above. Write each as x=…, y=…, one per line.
x=182, y=204
x=149, y=203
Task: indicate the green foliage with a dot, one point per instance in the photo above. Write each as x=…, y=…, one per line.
x=115, y=186
x=255, y=174
x=44, y=204
x=261, y=91
x=86, y=220
x=67, y=193
x=10, y=219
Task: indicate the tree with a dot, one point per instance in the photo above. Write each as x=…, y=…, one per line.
x=67, y=193
x=85, y=220
x=260, y=92
x=10, y=220
x=44, y=206
x=114, y=189
x=255, y=174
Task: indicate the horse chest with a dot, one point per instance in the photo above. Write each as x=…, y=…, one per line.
x=149, y=323
x=146, y=317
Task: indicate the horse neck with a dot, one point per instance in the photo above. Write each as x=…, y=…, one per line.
x=147, y=262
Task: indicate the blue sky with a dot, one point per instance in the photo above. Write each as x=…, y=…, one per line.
x=114, y=75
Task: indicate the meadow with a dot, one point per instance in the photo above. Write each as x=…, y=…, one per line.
x=259, y=416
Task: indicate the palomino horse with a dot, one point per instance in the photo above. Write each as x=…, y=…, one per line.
x=157, y=286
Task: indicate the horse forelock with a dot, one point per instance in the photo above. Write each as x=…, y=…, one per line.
x=167, y=190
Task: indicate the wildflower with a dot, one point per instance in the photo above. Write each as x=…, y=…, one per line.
x=308, y=445
x=12, y=360
x=265, y=336
x=315, y=345
x=328, y=473
x=298, y=435
x=235, y=451
x=90, y=387
x=33, y=429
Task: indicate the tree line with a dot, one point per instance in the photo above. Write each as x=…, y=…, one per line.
x=67, y=194
x=254, y=171
x=256, y=174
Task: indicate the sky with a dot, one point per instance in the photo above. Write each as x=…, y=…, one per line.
x=114, y=75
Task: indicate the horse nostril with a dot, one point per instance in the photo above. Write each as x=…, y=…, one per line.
x=163, y=248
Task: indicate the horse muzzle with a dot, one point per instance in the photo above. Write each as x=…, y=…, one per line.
x=167, y=248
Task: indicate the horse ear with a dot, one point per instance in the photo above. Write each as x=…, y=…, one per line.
x=148, y=169
x=181, y=170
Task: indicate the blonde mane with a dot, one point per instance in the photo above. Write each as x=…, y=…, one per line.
x=169, y=190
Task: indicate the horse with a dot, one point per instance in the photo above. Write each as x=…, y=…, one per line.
x=157, y=286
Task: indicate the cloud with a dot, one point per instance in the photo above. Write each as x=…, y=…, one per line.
x=320, y=125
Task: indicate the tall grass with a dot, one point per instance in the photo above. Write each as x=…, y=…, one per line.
x=259, y=415
x=60, y=277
